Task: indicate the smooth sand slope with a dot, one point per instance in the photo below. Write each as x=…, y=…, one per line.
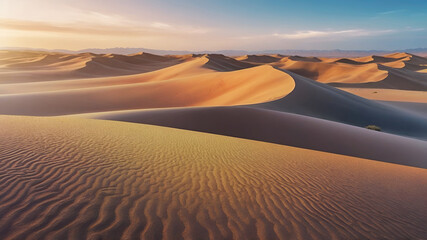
x=389, y=94
x=413, y=107
x=66, y=178
x=282, y=128
x=318, y=100
x=192, y=83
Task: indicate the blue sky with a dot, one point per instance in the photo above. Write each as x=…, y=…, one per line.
x=214, y=25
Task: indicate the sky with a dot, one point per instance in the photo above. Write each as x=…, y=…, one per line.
x=214, y=25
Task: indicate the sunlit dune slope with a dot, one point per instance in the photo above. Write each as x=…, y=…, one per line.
x=334, y=72
x=394, y=71
x=402, y=79
x=282, y=128
x=247, y=86
x=405, y=72
x=389, y=94
x=66, y=178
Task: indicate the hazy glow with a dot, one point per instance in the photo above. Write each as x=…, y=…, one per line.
x=192, y=25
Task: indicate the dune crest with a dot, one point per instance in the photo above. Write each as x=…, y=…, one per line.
x=205, y=88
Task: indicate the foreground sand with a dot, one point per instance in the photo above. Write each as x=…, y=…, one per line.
x=69, y=178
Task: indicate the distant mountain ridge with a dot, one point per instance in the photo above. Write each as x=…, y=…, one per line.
x=319, y=53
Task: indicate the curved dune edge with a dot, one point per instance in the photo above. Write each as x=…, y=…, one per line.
x=281, y=128
x=92, y=179
x=247, y=86
x=314, y=99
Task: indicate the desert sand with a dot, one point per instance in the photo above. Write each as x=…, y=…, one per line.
x=141, y=146
x=95, y=179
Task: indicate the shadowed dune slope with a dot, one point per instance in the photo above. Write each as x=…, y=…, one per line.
x=413, y=107
x=282, y=128
x=318, y=100
x=68, y=178
x=219, y=62
x=247, y=86
x=402, y=79
x=260, y=58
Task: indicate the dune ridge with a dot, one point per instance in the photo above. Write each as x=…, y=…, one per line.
x=393, y=71
x=93, y=179
x=247, y=86
x=30, y=66
x=281, y=128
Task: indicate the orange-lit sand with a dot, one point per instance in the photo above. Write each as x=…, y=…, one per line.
x=92, y=179
x=154, y=90
x=389, y=94
x=313, y=172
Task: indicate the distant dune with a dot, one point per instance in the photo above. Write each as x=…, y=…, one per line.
x=336, y=53
x=257, y=146
x=92, y=179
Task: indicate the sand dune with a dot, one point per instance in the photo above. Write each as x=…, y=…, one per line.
x=389, y=94
x=318, y=100
x=91, y=179
x=282, y=128
x=190, y=67
x=334, y=72
x=20, y=67
x=394, y=71
x=405, y=72
x=402, y=79
x=259, y=58
x=223, y=63
x=247, y=86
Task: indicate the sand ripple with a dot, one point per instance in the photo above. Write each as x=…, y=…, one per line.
x=63, y=178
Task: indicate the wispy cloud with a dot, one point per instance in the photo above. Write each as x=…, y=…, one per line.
x=322, y=34
x=160, y=25
x=105, y=25
x=391, y=12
